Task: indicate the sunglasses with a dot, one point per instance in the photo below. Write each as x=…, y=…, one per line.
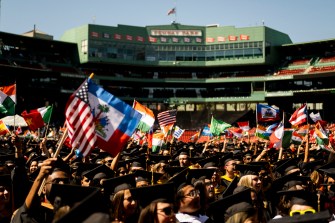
x=167, y=210
x=307, y=211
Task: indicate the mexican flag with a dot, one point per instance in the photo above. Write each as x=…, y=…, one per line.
x=148, y=117
x=8, y=99
x=37, y=117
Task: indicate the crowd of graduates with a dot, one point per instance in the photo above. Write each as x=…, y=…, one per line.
x=228, y=180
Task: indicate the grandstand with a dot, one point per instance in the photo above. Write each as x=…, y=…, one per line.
x=200, y=70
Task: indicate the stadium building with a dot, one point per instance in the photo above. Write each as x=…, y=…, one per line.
x=200, y=70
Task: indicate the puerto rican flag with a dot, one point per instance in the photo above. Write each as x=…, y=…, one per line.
x=299, y=116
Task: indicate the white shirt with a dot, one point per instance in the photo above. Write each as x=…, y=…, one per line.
x=182, y=217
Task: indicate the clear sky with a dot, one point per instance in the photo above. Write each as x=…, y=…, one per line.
x=302, y=20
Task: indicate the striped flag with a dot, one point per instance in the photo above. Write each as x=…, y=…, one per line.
x=276, y=138
x=171, y=11
x=167, y=117
x=148, y=117
x=178, y=132
x=299, y=116
x=157, y=141
x=320, y=135
x=79, y=120
x=7, y=99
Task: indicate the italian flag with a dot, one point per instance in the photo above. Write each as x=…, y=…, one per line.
x=157, y=141
x=37, y=117
x=8, y=99
x=148, y=117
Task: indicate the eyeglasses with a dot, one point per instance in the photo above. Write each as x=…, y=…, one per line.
x=193, y=193
x=167, y=210
x=307, y=211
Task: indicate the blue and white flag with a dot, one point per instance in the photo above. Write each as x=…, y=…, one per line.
x=178, y=132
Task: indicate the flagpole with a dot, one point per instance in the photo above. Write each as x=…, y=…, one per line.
x=55, y=155
x=46, y=130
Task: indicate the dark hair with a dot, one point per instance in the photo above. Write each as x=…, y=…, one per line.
x=148, y=214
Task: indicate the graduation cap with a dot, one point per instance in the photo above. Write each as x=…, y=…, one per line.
x=173, y=170
x=179, y=179
x=152, y=177
x=194, y=174
x=226, y=158
x=87, y=203
x=287, y=166
x=301, y=197
x=247, y=169
x=84, y=167
x=102, y=170
x=224, y=208
x=145, y=195
x=319, y=217
x=330, y=172
x=213, y=161
x=69, y=194
x=288, y=181
x=111, y=185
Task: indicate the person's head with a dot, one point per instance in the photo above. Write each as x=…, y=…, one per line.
x=124, y=205
x=249, y=216
x=166, y=152
x=184, y=159
x=230, y=166
x=210, y=189
x=4, y=196
x=247, y=158
x=121, y=171
x=251, y=181
x=158, y=211
x=142, y=182
x=85, y=182
x=33, y=166
x=58, y=176
x=188, y=199
x=136, y=166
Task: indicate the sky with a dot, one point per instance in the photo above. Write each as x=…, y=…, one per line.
x=302, y=20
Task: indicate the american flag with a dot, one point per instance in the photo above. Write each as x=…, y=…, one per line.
x=79, y=120
x=167, y=117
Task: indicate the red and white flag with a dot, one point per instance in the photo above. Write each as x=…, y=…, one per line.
x=299, y=116
x=244, y=126
x=171, y=11
x=276, y=138
x=167, y=117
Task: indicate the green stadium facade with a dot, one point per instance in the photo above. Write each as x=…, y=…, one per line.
x=200, y=70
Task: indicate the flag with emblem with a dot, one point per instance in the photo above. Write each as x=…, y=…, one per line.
x=37, y=118
x=218, y=126
x=96, y=117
